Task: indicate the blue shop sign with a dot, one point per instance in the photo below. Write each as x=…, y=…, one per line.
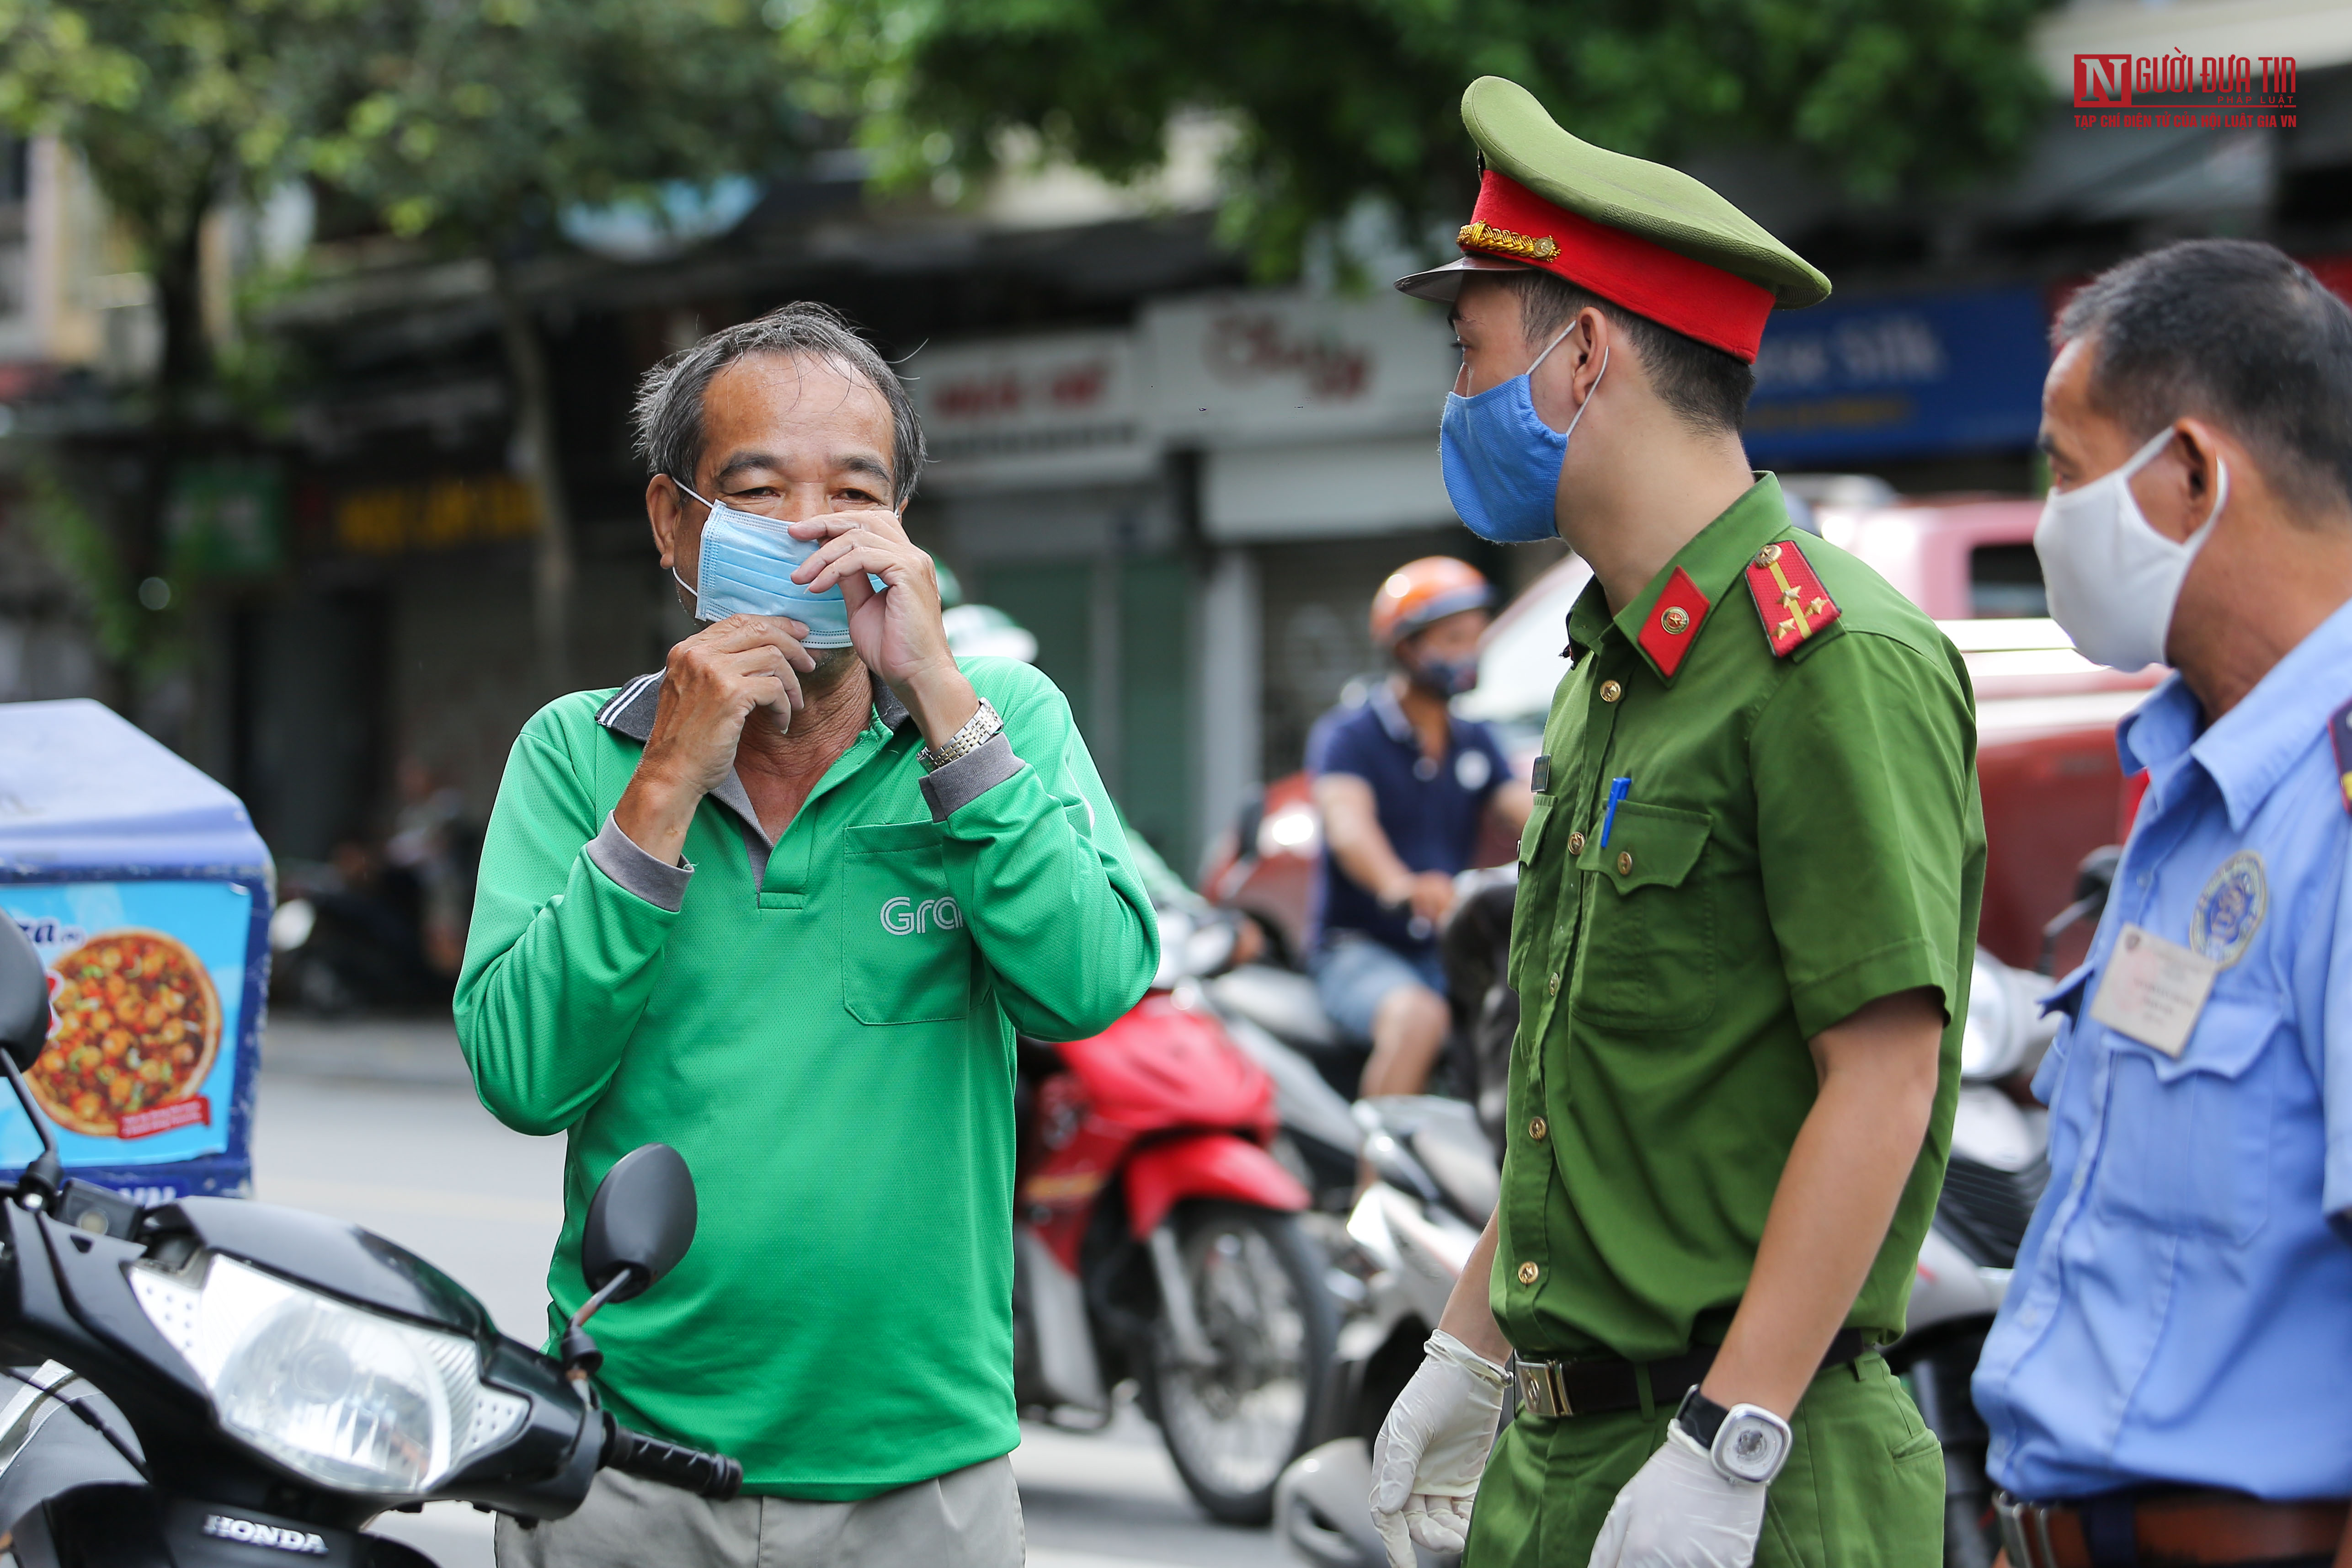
x=1899, y=377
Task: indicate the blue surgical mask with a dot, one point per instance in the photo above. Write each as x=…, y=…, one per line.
x=1501, y=461
x=746, y=568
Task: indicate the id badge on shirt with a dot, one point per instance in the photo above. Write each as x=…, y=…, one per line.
x=2154, y=990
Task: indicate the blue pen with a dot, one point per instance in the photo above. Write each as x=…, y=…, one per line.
x=1617, y=789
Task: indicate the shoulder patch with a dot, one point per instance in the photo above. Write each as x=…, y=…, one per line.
x=1789, y=599
x=2339, y=730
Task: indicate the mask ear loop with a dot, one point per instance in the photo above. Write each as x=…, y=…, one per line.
x=1581, y=408
x=697, y=611
x=2147, y=455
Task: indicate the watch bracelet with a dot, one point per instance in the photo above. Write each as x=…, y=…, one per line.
x=983, y=726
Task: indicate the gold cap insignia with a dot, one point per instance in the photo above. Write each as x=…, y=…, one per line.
x=1485, y=236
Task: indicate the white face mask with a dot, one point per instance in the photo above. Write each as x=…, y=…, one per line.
x=2114, y=579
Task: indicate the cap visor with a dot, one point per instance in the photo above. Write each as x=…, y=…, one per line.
x=1444, y=284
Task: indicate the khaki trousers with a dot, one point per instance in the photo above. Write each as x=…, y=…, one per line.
x=966, y=1519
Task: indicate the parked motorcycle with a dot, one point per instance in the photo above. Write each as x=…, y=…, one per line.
x=215, y=1375
x=1999, y=1165
x=1157, y=1239
x=1275, y=1016
x=1412, y=1233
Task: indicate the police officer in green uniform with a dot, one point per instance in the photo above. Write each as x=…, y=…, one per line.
x=1747, y=908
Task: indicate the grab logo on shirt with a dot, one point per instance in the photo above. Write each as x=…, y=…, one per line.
x=904, y=917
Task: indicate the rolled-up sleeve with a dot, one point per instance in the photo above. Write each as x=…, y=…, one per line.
x=563, y=953
x=1038, y=863
x=1870, y=747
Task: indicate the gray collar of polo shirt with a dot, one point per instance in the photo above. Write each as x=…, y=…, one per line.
x=630, y=711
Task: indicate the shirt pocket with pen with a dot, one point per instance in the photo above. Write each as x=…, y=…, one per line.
x=2187, y=1140
x=1649, y=953
x=905, y=954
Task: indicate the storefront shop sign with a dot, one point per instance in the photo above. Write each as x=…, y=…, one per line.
x=227, y=519
x=1266, y=369
x=1899, y=377
x=1016, y=412
x=435, y=514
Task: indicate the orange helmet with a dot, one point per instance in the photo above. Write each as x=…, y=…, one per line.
x=1422, y=590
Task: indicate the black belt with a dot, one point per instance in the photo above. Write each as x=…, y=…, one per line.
x=1555, y=1388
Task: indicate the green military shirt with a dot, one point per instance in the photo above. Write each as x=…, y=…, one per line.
x=1799, y=837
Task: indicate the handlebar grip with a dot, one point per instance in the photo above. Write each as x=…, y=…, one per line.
x=713, y=1476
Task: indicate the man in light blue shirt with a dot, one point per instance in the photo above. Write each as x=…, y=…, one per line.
x=2171, y=1377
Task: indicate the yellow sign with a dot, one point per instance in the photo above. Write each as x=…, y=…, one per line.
x=439, y=514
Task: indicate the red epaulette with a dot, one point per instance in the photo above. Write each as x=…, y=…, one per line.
x=1789, y=597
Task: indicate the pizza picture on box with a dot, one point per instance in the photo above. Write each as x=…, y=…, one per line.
x=138, y=1026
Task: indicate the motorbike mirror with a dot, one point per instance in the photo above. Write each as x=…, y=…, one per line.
x=24, y=996
x=640, y=1222
x=2096, y=878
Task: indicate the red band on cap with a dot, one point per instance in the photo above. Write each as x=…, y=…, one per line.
x=1673, y=289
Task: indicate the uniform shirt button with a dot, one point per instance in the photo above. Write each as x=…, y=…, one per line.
x=1625, y=864
x=1537, y=1129
x=1611, y=691
x=1527, y=1272
x=1553, y=984
x=1576, y=843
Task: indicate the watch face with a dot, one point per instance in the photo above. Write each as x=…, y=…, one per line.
x=1751, y=1447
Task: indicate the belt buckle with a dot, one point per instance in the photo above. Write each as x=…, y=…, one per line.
x=2024, y=1532
x=1540, y=1389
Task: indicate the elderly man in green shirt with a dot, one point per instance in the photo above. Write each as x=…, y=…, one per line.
x=783, y=905
x=1746, y=906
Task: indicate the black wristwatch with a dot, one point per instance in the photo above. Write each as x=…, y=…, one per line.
x=1746, y=1442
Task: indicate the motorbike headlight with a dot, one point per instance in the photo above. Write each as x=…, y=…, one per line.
x=1993, y=1037
x=349, y=1398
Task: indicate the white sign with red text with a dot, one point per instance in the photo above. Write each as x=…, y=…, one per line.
x=1055, y=410
x=1266, y=368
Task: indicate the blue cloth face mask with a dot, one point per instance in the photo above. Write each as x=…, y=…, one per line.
x=1501, y=461
x=746, y=568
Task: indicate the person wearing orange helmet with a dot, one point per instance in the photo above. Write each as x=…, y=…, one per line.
x=1404, y=787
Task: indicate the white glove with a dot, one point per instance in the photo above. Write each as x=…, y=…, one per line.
x=1680, y=1512
x=1432, y=1448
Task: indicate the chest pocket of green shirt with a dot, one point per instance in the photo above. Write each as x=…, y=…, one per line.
x=906, y=957
x=1649, y=943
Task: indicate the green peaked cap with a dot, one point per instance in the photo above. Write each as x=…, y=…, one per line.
x=1663, y=206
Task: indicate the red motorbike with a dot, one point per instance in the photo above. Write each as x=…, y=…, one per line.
x=1156, y=1238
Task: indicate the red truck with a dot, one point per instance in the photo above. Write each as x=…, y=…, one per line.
x=2045, y=715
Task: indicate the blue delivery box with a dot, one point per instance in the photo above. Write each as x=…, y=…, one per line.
x=147, y=894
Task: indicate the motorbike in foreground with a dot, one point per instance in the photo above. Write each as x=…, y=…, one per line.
x=223, y=1383
x=1156, y=1237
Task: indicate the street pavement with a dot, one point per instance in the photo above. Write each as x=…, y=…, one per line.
x=375, y=1123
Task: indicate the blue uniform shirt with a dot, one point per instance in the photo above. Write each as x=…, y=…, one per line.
x=2182, y=1307
x=1430, y=811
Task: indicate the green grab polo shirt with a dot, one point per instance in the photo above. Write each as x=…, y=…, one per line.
x=1800, y=836
x=828, y=1040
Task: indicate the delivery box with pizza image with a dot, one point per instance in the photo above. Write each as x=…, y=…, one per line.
x=146, y=893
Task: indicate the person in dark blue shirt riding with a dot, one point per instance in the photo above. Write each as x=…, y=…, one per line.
x=1403, y=786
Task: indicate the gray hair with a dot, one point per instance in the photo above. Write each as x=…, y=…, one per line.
x=668, y=413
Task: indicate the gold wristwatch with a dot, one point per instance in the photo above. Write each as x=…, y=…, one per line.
x=983, y=727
